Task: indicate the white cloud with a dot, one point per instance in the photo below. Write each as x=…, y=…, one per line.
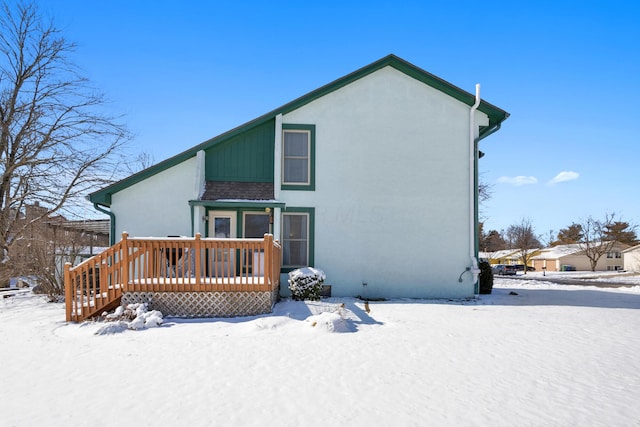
x=518, y=180
x=564, y=177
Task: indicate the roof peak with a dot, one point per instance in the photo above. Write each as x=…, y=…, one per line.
x=496, y=117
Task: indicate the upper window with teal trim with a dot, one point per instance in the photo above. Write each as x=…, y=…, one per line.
x=298, y=157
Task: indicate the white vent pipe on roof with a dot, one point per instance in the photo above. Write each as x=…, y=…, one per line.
x=472, y=187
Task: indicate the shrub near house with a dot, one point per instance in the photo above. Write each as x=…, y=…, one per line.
x=306, y=283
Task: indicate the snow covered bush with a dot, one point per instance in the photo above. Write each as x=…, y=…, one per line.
x=330, y=322
x=486, y=277
x=306, y=283
x=133, y=317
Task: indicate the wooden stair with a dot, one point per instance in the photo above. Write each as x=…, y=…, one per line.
x=94, y=286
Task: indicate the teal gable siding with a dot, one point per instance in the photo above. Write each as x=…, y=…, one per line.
x=246, y=157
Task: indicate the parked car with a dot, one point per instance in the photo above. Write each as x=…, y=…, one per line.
x=520, y=267
x=504, y=270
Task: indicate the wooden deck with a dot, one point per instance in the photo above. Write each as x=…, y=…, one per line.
x=171, y=265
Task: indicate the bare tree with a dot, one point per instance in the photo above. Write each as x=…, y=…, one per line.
x=549, y=238
x=55, y=142
x=484, y=192
x=49, y=250
x=484, y=195
x=522, y=237
x=141, y=161
x=595, y=238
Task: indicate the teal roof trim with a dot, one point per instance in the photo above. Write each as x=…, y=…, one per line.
x=495, y=114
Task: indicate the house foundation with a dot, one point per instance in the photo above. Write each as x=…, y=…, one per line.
x=205, y=304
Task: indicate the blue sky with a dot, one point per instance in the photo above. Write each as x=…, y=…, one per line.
x=567, y=71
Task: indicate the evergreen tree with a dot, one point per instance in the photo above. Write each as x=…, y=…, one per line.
x=494, y=241
x=570, y=235
x=622, y=232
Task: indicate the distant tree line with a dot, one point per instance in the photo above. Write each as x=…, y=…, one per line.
x=595, y=237
x=618, y=231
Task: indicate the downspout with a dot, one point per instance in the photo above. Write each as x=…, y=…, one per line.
x=475, y=271
x=112, y=222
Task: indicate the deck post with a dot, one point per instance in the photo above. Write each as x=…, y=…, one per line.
x=268, y=256
x=103, y=279
x=68, y=292
x=198, y=260
x=125, y=262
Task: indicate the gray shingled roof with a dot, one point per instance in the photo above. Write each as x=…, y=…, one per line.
x=226, y=190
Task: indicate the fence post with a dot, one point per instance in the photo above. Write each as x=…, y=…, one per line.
x=67, y=290
x=125, y=261
x=197, y=255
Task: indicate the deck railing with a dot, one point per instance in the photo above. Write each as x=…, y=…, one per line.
x=171, y=265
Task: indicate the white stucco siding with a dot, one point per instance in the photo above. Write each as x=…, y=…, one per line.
x=392, y=188
x=632, y=259
x=158, y=205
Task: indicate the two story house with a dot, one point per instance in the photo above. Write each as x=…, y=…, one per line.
x=371, y=178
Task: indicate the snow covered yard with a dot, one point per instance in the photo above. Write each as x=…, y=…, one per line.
x=599, y=276
x=550, y=355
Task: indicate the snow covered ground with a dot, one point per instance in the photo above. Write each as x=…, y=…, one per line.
x=530, y=354
x=589, y=277
x=605, y=276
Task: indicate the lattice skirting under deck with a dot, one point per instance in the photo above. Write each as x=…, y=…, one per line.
x=205, y=304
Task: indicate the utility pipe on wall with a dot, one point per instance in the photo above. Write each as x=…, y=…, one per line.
x=472, y=187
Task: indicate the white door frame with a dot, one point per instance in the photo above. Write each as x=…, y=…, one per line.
x=223, y=261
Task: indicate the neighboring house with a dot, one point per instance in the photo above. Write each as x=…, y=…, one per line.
x=46, y=235
x=78, y=240
x=371, y=178
x=508, y=256
x=574, y=257
x=631, y=258
x=94, y=233
x=74, y=256
x=504, y=256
